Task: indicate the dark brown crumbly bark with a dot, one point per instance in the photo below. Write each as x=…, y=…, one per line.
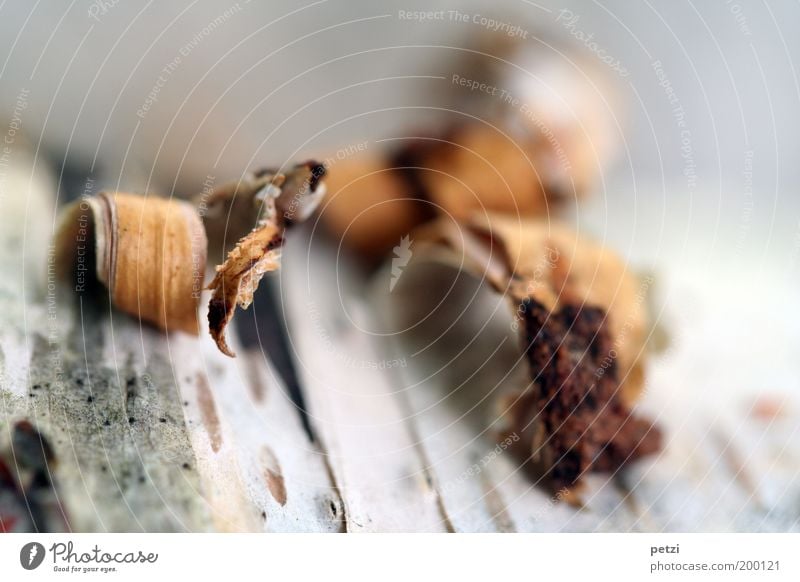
x=572, y=413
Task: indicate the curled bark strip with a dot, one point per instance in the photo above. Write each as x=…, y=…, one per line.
x=149, y=252
x=581, y=319
x=548, y=262
x=285, y=199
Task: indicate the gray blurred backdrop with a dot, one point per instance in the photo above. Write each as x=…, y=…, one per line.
x=259, y=82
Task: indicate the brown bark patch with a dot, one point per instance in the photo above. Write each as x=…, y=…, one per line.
x=273, y=476
x=208, y=411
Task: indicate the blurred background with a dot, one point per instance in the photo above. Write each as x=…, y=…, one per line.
x=162, y=96
x=692, y=112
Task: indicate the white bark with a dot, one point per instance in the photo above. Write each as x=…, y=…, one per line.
x=371, y=447
x=149, y=432
x=144, y=431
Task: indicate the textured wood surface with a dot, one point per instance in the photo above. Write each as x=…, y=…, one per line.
x=108, y=425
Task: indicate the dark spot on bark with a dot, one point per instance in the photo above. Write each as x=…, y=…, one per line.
x=216, y=313
x=31, y=448
x=274, y=243
x=317, y=173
